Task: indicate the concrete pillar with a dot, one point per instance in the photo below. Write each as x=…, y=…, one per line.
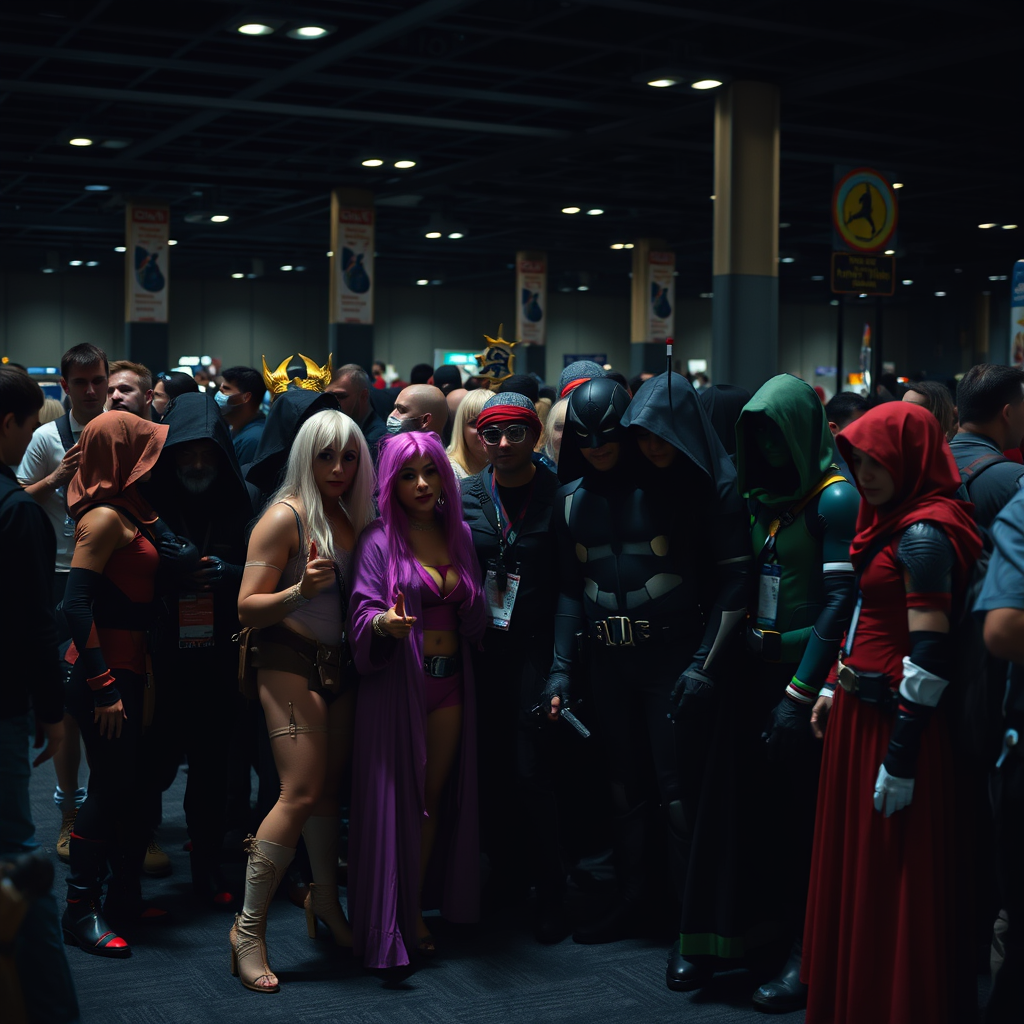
x=745, y=313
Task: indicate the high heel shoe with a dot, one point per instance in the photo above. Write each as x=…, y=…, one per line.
x=322, y=902
x=267, y=864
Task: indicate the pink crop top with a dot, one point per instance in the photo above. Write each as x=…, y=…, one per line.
x=440, y=613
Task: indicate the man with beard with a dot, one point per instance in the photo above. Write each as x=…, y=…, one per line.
x=130, y=388
x=198, y=488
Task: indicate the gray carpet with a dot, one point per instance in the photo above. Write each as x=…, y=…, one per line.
x=179, y=970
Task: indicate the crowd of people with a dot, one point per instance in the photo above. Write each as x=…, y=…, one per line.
x=764, y=649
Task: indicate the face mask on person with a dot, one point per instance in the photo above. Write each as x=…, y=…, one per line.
x=224, y=401
x=393, y=424
x=399, y=426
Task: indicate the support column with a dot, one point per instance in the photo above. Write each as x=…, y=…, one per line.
x=652, y=318
x=745, y=313
x=350, y=327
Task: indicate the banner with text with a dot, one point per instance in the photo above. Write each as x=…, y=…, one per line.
x=662, y=278
x=147, y=230
x=1017, y=315
x=531, y=297
x=352, y=265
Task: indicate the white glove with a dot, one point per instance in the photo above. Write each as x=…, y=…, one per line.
x=891, y=792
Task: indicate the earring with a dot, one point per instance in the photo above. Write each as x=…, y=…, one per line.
x=440, y=501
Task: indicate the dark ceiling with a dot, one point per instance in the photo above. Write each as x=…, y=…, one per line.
x=511, y=110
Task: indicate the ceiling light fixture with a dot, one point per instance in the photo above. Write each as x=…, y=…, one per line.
x=308, y=32
x=596, y=212
x=74, y=263
x=172, y=241
x=706, y=83
x=329, y=255
x=907, y=280
x=890, y=252
x=985, y=227
x=287, y=267
x=422, y=281
x=404, y=165
x=255, y=28
x=570, y=209
x=583, y=287
x=373, y=162
x=93, y=263
x=663, y=83
x=219, y=218
x=628, y=245
x=456, y=234
x=80, y=142
x=618, y=245
x=940, y=295
x=433, y=234
x=788, y=259
x=120, y=248
x=1009, y=227
x=48, y=270
x=116, y=143
x=97, y=188
x=817, y=277
x=897, y=184
x=238, y=277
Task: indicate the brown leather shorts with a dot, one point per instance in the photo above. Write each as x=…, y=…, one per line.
x=327, y=669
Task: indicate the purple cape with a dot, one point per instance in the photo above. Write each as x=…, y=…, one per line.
x=389, y=772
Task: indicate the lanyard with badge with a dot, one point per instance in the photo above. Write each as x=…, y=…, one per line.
x=195, y=611
x=502, y=581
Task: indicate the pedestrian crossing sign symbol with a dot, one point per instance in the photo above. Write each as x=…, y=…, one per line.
x=864, y=211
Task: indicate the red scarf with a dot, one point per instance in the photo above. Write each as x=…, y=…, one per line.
x=908, y=442
x=117, y=448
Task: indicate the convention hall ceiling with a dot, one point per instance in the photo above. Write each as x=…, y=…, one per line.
x=510, y=112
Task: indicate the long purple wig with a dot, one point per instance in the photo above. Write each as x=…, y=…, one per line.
x=394, y=453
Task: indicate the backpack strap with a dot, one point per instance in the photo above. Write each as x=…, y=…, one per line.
x=64, y=431
x=974, y=469
x=790, y=515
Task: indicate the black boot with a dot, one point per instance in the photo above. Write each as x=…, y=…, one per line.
x=623, y=919
x=684, y=975
x=786, y=992
x=83, y=925
x=208, y=884
x=124, y=903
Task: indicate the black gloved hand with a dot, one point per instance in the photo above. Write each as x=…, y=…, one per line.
x=181, y=556
x=691, y=694
x=787, y=729
x=558, y=685
x=216, y=574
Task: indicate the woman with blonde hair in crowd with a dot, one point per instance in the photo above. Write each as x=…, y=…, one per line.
x=551, y=436
x=466, y=452
x=294, y=592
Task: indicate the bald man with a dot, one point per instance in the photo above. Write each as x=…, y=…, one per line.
x=419, y=407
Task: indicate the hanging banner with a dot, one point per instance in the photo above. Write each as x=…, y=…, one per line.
x=1017, y=315
x=532, y=297
x=352, y=245
x=662, y=278
x=147, y=230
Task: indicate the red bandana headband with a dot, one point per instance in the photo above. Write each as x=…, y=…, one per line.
x=508, y=414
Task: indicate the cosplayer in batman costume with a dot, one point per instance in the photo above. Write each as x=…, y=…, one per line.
x=630, y=604
x=803, y=518
x=685, y=470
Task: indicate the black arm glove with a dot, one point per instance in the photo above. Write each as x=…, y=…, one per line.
x=177, y=554
x=788, y=728
x=218, y=574
x=83, y=586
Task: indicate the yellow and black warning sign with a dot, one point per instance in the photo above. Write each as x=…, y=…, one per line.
x=864, y=211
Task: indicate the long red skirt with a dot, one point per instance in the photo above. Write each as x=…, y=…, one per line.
x=879, y=934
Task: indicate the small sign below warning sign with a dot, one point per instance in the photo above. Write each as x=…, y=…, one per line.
x=853, y=274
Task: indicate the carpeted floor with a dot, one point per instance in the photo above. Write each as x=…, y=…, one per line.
x=496, y=972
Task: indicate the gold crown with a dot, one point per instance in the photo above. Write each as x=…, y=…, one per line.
x=317, y=377
x=496, y=362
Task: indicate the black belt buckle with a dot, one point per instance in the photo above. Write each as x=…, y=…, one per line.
x=873, y=688
x=617, y=631
x=440, y=666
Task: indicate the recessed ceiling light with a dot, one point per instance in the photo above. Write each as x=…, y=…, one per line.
x=834, y=302
x=74, y=263
x=907, y=280
x=47, y=270
x=172, y=241
x=818, y=277
x=116, y=143
x=120, y=248
x=422, y=281
x=299, y=269
x=287, y=266
x=940, y=295
x=404, y=165
x=373, y=162
x=219, y=218
x=570, y=209
x=456, y=234
x=596, y=212
x=863, y=295
x=93, y=263
x=583, y=287
x=662, y=83
x=308, y=32
x=330, y=254
x=432, y=234
x=618, y=245
x=80, y=142
x=255, y=28
x=788, y=259
x=1009, y=227
x=97, y=188
x=712, y=197
x=238, y=277
x=784, y=224
x=706, y=83
x=897, y=184
x=890, y=252
x=985, y=227
x=628, y=245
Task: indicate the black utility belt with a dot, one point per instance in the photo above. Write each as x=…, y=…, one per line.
x=440, y=666
x=622, y=631
x=869, y=688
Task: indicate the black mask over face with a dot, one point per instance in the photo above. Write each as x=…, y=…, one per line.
x=595, y=412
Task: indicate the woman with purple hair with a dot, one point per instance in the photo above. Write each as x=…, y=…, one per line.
x=416, y=606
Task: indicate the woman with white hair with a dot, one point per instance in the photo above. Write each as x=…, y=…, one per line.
x=294, y=592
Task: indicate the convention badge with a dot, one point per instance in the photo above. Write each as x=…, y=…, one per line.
x=768, y=596
x=195, y=621
x=499, y=602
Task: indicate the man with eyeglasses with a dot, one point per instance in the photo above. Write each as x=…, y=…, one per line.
x=508, y=508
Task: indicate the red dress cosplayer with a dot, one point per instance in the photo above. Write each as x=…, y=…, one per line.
x=880, y=928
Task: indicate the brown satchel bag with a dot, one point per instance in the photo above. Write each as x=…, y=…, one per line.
x=247, y=638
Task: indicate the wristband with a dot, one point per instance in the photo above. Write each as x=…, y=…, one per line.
x=104, y=692
x=827, y=690
x=800, y=692
x=378, y=624
x=293, y=597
